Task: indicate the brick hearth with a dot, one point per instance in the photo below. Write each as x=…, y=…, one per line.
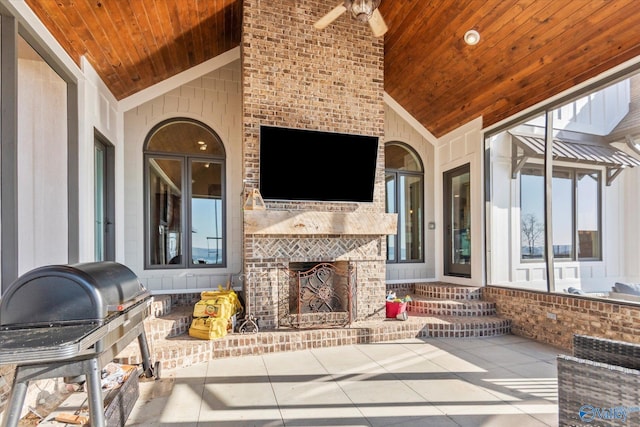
x=449, y=311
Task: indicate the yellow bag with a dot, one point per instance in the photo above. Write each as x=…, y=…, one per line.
x=220, y=303
x=226, y=294
x=208, y=328
x=219, y=307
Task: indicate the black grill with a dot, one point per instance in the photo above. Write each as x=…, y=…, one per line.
x=68, y=321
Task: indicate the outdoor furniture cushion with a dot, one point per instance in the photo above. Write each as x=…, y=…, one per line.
x=627, y=288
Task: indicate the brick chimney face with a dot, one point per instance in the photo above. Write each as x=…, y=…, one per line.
x=296, y=76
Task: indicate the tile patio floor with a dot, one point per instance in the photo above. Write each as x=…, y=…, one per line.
x=493, y=381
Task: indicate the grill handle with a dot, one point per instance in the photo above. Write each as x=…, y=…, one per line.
x=130, y=303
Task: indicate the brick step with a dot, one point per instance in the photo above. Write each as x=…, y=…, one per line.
x=183, y=350
x=464, y=327
x=161, y=305
x=175, y=323
x=438, y=307
x=447, y=291
x=437, y=310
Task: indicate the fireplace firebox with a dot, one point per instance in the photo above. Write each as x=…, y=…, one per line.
x=313, y=295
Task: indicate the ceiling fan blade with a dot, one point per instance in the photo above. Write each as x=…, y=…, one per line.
x=330, y=17
x=378, y=26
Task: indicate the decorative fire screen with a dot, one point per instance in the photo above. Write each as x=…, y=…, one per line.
x=317, y=295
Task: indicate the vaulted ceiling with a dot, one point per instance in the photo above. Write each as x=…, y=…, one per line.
x=529, y=50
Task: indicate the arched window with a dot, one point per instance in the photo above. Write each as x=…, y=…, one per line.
x=185, y=196
x=404, y=181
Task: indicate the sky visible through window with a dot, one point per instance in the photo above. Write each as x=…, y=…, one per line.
x=206, y=229
x=532, y=210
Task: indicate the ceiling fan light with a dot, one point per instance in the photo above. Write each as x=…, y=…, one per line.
x=363, y=9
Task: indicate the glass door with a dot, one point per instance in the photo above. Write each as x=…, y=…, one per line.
x=457, y=222
x=104, y=209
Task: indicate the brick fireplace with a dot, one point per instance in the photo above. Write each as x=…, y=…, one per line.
x=317, y=294
x=331, y=80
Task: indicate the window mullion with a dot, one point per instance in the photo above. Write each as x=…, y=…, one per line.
x=186, y=210
x=396, y=249
x=548, y=208
x=574, y=216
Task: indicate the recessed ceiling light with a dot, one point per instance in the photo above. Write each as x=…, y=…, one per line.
x=471, y=37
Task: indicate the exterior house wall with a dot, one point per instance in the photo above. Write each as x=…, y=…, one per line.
x=596, y=114
x=396, y=128
x=215, y=100
x=99, y=112
x=43, y=176
x=463, y=145
x=42, y=132
x=505, y=241
x=631, y=244
x=43, y=150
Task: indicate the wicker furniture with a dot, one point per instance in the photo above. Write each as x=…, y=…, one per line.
x=599, y=384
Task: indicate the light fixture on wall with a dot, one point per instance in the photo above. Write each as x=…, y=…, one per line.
x=471, y=37
x=363, y=9
x=254, y=201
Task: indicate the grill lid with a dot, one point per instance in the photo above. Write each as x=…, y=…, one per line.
x=61, y=294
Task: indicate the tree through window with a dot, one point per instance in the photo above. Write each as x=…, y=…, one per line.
x=576, y=213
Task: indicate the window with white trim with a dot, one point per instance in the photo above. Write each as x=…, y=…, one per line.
x=576, y=214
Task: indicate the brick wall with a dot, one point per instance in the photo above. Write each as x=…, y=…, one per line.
x=331, y=80
x=554, y=318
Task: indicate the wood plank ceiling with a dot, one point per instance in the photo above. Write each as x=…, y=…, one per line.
x=529, y=50
x=135, y=44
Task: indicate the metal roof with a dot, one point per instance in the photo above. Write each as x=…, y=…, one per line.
x=572, y=151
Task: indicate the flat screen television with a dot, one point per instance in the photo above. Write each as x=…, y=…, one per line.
x=306, y=165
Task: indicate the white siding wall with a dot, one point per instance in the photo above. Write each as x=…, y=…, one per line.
x=504, y=194
x=463, y=145
x=398, y=129
x=631, y=220
x=98, y=110
x=598, y=114
x=215, y=100
x=42, y=165
x=620, y=232
x=43, y=151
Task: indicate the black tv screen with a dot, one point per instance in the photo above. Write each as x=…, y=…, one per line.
x=307, y=165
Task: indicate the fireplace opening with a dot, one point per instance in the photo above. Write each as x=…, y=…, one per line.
x=317, y=294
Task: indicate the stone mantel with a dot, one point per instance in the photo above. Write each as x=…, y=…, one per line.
x=271, y=222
